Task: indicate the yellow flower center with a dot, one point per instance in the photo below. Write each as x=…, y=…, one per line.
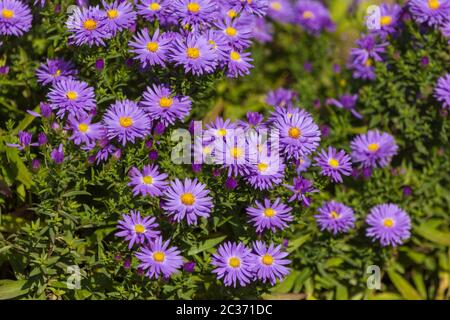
x=269, y=212
x=275, y=6
x=222, y=132
x=262, y=167
x=57, y=73
x=231, y=32
x=83, y=127
x=113, y=13
x=152, y=46
x=369, y=62
x=388, y=222
x=159, y=256
x=193, y=53
x=434, y=4
x=188, y=199
x=126, y=122
x=165, y=102
x=90, y=24
x=294, y=133
x=235, y=55
x=193, y=7
x=373, y=147
x=236, y=152
x=207, y=150
x=7, y=14
x=267, y=259
x=308, y=15
x=154, y=6
x=139, y=228
x=335, y=215
x=333, y=163
x=232, y=13
x=148, y=179
x=71, y=95
x=385, y=20
x=234, y=262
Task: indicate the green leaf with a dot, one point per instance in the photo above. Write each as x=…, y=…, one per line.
x=10, y=289
x=433, y=235
x=297, y=243
x=288, y=283
x=75, y=193
x=205, y=245
x=406, y=290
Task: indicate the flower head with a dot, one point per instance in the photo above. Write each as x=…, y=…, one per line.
x=301, y=189
x=373, y=149
x=15, y=18
x=269, y=263
x=153, y=9
x=238, y=63
x=442, y=91
x=280, y=10
x=194, y=12
x=269, y=215
x=334, y=164
x=55, y=70
x=137, y=229
x=431, y=12
x=151, y=50
x=88, y=26
x=119, y=15
x=83, y=131
x=57, y=155
x=148, y=182
x=312, y=16
x=335, y=217
x=281, y=97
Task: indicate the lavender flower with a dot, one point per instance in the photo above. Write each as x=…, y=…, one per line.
x=334, y=164
x=15, y=18
x=151, y=50
x=431, y=12
x=148, y=182
x=442, y=91
x=137, y=229
x=269, y=215
x=269, y=262
x=373, y=149
x=55, y=70
x=335, y=217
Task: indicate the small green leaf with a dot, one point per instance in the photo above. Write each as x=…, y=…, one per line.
x=433, y=235
x=205, y=245
x=406, y=290
x=10, y=289
x=75, y=193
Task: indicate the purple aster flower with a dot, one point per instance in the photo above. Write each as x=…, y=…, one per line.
x=119, y=15
x=153, y=9
x=389, y=17
x=42, y=139
x=364, y=72
x=301, y=189
x=373, y=149
x=446, y=32
x=99, y=64
x=188, y=200
x=162, y=105
x=24, y=141
x=335, y=217
x=280, y=10
x=83, y=131
x=35, y=164
x=160, y=259
x=269, y=262
x=195, y=54
x=368, y=48
x=219, y=128
x=194, y=12
x=88, y=26
x=347, y=102
x=125, y=121
x=189, y=266
x=312, y=16
x=237, y=32
x=255, y=121
x=231, y=183
x=15, y=18
x=238, y=64
x=233, y=154
x=262, y=30
x=334, y=164
x=442, y=91
x=431, y=12
x=252, y=7
x=302, y=164
x=46, y=110
x=137, y=229
x=389, y=224
x=281, y=98
x=148, y=182
x=73, y=97
x=55, y=70
x=299, y=135
x=218, y=43
x=266, y=173
x=269, y=215
x=57, y=155
x=233, y=262
x=151, y=50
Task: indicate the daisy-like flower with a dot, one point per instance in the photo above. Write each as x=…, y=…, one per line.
x=187, y=200
x=262, y=30
x=334, y=164
x=442, y=91
x=266, y=173
x=335, y=217
x=312, y=16
x=302, y=164
x=269, y=215
x=347, y=102
x=218, y=43
x=57, y=154
x=269, y=262
x=159, y=259
x=280, y=10
x=195, y=54
x=389, y=18
x=219, y=129
x=252, y=7
x=233, y=262
x=431, y=12
x=301, y=189
x=363, y=71
x=255, y=121
x=73, y=97
x=281, y=97
x=389, y=224
x=24, y=141
x=15, y=18
x=148, y=182
x=137, y=229
x=194, y=12
x=119, y=15
x=125, y=121
x=238, y=63
x=151, y=50
x=162, y=105
x=55, y=70
x=299, y=135
x=446, y=31
x=368, y=48
x=373, y=149
x=238, y=32
x=83, y=131
x=153, y=9
x=233, y=154
x=88, y=26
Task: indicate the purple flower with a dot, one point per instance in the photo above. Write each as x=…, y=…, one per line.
x=368, y=50
x=347, y=102
x=373, y=149
x=389, y=17
x=262, y=30
x=35, y=164
x=265, y=173
x=24, y=141
x=280, y=10
x=334, y=164
x=15, y=18
x=148, y=182
x=269, y=262
x=335, y=217
x=389, y=224
x=4, y=69
x=189, y=266
x=219, y=128
x=312, y=16
x=431, y=12
x=151, y=50
x=233, y=262
x=162, y=105
x=137, y=229
x=237, y=32
x=83, y=131
x=231, y=183
x=238, y=64
x=194, y=12
x=269, y=215
x=57, y=155
x=46, y=110
x=42, y=139
x=188, y=200
x=252, y=7
x=302, y=164
x=281, y=98
x=73, y=97
x=301, y=189
x=255, y=120
x=55, y=70
x=151, y=9
x=125, y=121
x=119, y=15
x=99, y=64
x=159, y=259
x=442, y=91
